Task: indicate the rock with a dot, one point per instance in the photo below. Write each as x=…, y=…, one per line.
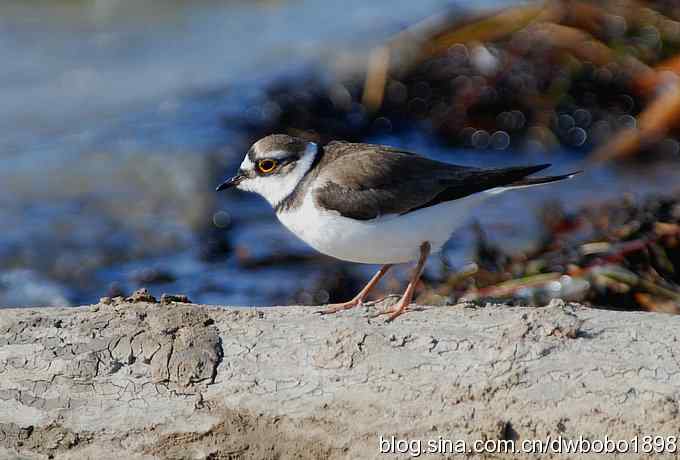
x=170, y=298
x=141, y=295
x=117, y=300
x=194, y=381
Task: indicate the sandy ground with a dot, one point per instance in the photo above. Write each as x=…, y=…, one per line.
x=144, y=380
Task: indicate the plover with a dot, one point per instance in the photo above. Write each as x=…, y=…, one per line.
x=371, y=204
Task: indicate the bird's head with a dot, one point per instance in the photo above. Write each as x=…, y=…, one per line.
x=273, y=167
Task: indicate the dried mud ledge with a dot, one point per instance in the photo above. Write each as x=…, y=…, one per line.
x=148, y=380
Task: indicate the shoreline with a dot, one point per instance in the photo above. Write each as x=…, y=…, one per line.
x=179, y=380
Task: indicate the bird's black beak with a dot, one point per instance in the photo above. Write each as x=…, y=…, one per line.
x=233, y=182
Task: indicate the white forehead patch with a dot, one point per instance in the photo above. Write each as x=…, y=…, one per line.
x=247, y=165
x=277, y=187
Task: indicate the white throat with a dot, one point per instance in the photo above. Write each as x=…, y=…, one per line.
x=276, y=188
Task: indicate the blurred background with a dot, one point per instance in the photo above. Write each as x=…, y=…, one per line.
x=119, y=117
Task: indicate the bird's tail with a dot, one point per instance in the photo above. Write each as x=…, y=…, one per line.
x=531, y=181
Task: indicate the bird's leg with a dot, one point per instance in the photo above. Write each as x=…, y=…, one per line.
x=360, y=297
x=406, y=299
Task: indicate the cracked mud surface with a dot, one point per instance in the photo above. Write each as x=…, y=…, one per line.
x=173, y=381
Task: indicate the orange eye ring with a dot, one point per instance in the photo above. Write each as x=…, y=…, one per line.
x=266, y=166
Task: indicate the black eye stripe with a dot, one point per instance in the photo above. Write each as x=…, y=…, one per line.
x=287, y=160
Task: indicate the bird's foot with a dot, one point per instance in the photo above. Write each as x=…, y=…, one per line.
x=394, y=312
x=336, y=307
x=389, y=299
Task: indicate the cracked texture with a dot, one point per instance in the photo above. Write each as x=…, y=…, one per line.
x=189, y=381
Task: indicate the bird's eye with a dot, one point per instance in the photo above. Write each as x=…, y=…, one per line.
x=266, y=166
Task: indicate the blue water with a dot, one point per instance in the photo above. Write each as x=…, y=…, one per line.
x=112, y=138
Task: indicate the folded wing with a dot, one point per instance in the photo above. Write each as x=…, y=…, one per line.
x=379, y=180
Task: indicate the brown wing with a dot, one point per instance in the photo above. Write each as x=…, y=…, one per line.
x=375, y=180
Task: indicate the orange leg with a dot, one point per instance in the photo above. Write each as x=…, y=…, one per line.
x=360, y=297
x=406, y=299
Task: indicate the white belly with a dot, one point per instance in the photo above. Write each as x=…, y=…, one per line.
x=389, y=239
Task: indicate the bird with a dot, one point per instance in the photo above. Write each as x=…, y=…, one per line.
x=370, y=203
